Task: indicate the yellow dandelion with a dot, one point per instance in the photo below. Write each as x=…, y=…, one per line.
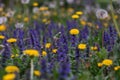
x=116, y=68
x=47, y=45
x=2, y=27
x=75, y=16
x=107, y=62
x=100, y=64
x=79, y=12
x=31, y=52
x=12, y=40
x=82, y=46
x=9, y=76
x=11, y=69
x=35, y=4
x=44, y=53
x=54, y=50
x=37, y=73
x=2, y=37
x=74, y=31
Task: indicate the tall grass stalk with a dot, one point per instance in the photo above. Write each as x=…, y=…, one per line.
x=114, y=20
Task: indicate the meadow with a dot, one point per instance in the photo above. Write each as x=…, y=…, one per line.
x=59, y=40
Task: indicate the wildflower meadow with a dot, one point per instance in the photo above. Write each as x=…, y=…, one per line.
x=59, y=39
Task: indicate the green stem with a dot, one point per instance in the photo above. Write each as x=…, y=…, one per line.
x=115, y=22
x=32, y=69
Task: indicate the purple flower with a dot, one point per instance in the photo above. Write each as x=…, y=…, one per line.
x=64, y=69
x=6, y=54
x=34, y=39
x=19, y=34
x=84, y=33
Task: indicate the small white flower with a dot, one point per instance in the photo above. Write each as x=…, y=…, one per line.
x=19, y=25
x=70, y=1
x=10, y=13
x=3, y=20
x=35, y=10
x=101, y=14
x=52, y=5
x=25, y=1
x=61, y=3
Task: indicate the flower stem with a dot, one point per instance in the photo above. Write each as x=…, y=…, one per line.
x=32, y=69
x=115, y=22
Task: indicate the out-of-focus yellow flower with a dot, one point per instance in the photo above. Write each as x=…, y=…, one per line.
x=3, y=13
x=44, y=53
x=46, y=14
x=47, y=45
x=12, y=40
x=74, y=31
x=14, y=55
x=89, y=24
x=9, y=76
x=94, y=48
x=97, y=27
x=35, y=4
x=35, y=16
x=37, y=73
x=79, y=12
x=1, y=9
x=75, y=16
x=82, y=46
x=116, y=16
x=43, y=8
x=54, y=50
x=116, y=68
x=19, y=16
x=107, y=62
x=26, y=19
x=2, y=37
x=105, y=24
x=100, y=64
x=83, y=22
x=44, y=20
x=31, y=52
x=11, y=69
x=70, y=10
x=2, y=27
x=55, y=13
x=11, y=20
